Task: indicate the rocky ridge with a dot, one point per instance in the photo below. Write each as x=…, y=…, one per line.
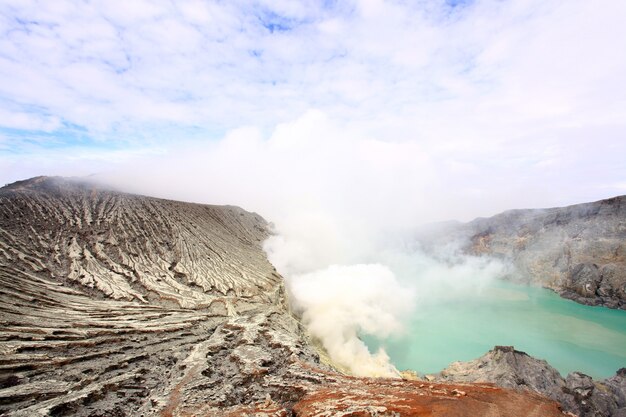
x=578, y=393
x=122, y=305
x=578, y=251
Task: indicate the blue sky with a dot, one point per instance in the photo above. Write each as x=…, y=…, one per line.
x=474, y=106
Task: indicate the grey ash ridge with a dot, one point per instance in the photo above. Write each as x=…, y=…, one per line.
x=129, y=247
x=107, y=301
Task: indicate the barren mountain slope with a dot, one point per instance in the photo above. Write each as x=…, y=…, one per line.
x=120, y=305
x=130, y=247
x=578, y=251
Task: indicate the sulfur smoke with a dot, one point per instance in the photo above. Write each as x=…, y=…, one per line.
x=340, y=302
x=343, y=206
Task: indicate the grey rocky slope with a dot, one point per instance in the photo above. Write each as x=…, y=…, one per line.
x=135, y=248
x=122, y=305
x=578, y=393
x=109, y=300
x=578, y=251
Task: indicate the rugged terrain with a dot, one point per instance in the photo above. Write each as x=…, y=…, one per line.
x=122, y=305
x=578, y=251
x=578, y=393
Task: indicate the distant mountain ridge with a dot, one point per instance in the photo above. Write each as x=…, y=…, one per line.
x=578, y=251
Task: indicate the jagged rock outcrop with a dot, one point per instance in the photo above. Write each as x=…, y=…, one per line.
x=121, y=305
x=578, y=393
x=578, y=251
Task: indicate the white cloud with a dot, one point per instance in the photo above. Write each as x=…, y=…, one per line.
x=487, y=63
x=28, y=121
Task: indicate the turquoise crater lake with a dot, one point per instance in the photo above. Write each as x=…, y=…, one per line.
x=570, y=336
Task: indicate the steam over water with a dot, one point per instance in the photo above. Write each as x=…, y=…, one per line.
x=570, y=336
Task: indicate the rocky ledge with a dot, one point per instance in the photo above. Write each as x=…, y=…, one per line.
x=578, y=393
x=122, y=305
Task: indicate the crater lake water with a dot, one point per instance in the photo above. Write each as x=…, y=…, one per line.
x=570, y=336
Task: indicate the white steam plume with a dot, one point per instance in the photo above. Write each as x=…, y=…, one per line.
x=340, y=298
x=340, y=302
x=337, y=198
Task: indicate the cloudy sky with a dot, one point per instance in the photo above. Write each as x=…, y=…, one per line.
x=442, y=109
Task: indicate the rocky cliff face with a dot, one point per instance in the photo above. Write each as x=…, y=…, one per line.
x=578, y=393
x=121, y=305
x=578, y=251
